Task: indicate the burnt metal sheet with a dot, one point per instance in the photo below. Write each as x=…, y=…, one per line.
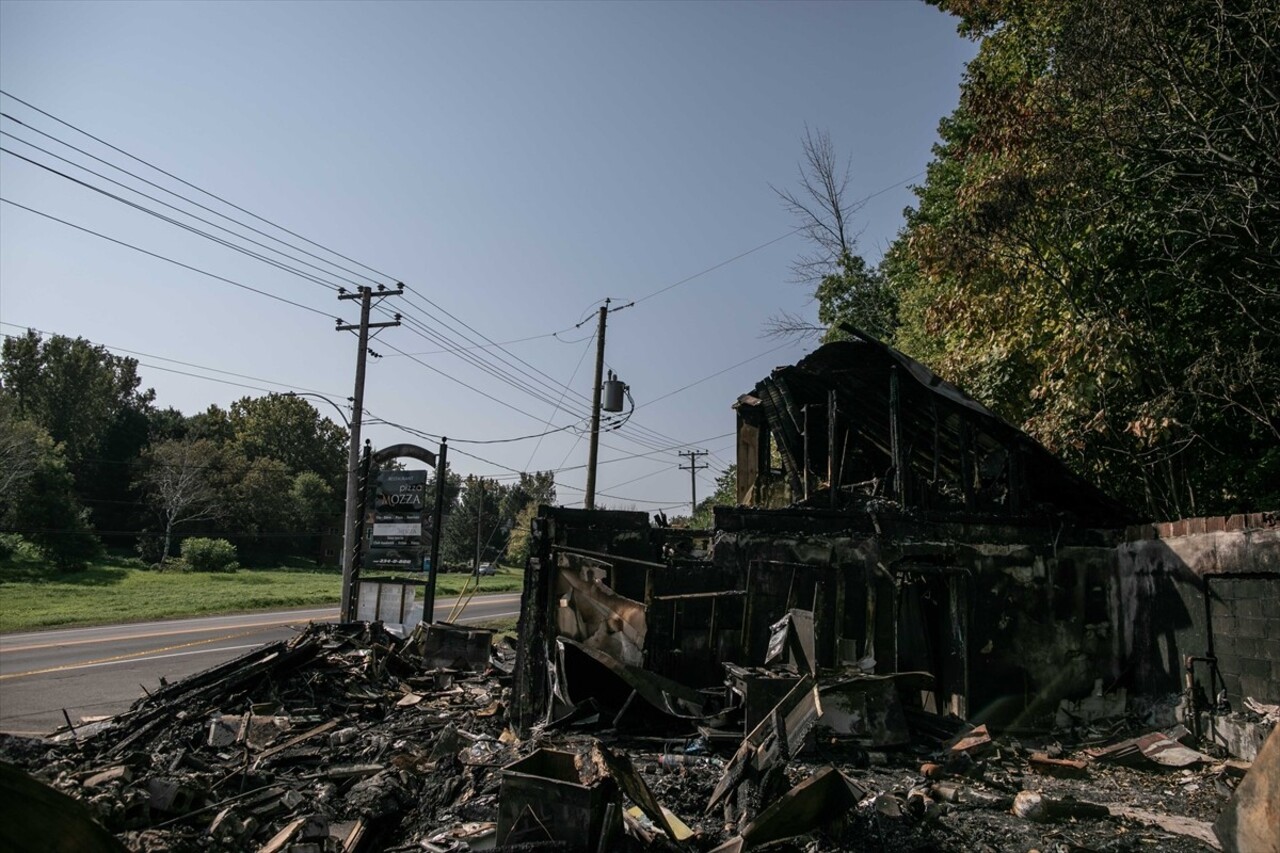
x=791, y=641
x=865, y=708
x=819, y=800
x=40, y=817
x=779, y=736
x=592, y=613
x=666, y=695
x=542, y=797
x=456, y=647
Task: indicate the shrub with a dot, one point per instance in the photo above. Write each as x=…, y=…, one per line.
x=150, y=547
x=209, y=555
x=11, y=545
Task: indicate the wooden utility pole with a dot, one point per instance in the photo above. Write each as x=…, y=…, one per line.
x=350, y=543
x=479, y=519
x=590, y=500
x=693, y=468
x=437, y=525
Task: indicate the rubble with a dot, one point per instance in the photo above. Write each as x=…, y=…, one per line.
x=308, y=746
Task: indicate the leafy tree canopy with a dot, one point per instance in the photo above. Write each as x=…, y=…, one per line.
x=1095, y=252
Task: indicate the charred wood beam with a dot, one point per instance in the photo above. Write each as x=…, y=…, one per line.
x=833, y=466
x=898, y=449
x=612, y=558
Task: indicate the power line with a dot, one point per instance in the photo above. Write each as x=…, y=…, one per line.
x=165, y=189
x=184, y=182
x=545, y=381
x=164, y=258
x=643, y=435
x=712, y=376
x=305, y=275
x=765, y=245
x=416, y=326
x=453, y=441
x=183, y=363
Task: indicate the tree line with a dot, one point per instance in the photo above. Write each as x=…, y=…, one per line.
x=89, y=460
x=1095, y=251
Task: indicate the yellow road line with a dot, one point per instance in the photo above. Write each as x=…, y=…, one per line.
x=124, y=657
x=147, y=636
x=111, y=639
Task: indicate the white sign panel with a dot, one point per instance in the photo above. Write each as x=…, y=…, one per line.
x=398, y=529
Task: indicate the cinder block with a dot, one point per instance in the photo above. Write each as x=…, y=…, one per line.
x=1180, y=527
x=1256, y=628
x=1196, y=526
x=1225, y=625
x=1249, y=608
x=1275, y=672
x=1268, y=649
x=1228, y=663
x=1217, y=524
x=1255, y=668
x=1235, y=522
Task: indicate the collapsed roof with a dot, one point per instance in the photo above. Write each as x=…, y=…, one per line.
x=862, y=416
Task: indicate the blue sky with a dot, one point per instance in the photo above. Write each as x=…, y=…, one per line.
x=512, y=163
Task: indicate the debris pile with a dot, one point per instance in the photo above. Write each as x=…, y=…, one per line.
x=346, y=738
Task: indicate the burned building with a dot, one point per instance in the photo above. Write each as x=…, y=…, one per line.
x=917, y=631
x=920, y=534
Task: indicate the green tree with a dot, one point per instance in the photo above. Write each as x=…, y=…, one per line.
x=531, y=489
x=260, y=499
x=214, y=423
x=846, y=289
x=479, y=507
x=521, y=535
x=37, y=495
x=91, y=404
x=1094, y=251
x=726, y=494
x=291, y=431
x=314, y=505
x=75, y=390
x=179, y=480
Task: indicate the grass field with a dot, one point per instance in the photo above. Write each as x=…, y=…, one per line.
x=35, y=595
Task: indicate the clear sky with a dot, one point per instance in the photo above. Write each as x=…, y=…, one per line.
x=512, y=163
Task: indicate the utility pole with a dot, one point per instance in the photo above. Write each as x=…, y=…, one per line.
x=479, y=519
x=437, y=525
x=350, y=545
x=693, y=468
x=589, y=501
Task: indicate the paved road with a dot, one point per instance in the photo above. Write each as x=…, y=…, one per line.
x=95, y=671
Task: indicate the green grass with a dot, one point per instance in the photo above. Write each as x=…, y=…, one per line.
x=117, y=589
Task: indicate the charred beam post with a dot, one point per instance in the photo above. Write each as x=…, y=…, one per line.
x=529, y=695
x=833, y=467
x=966, y=465
x=897, y=446
x=807, y=464
x=1017, y=479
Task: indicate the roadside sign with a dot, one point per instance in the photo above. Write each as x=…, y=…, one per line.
x=398, y=521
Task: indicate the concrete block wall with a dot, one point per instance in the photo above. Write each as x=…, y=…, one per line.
x=1173, y=575
x=1245, y=617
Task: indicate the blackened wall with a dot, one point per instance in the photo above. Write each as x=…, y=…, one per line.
x=1198, y=587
